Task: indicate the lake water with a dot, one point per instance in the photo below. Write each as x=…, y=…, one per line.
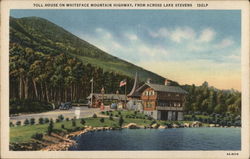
x=161, y=139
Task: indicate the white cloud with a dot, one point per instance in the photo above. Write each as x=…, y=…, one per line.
x=130, y=36
x=180, y=34
x=207, y=35
x=224, y=43
x=162, y=32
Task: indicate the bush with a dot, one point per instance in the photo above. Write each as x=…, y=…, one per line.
x=94, y=116
x=67, y=119
x=135, y=112
x=41, y=121
x=107, y=113
x=116, y=115
x=61, y=117
x=103, y=112
x=18, y=123
x=11, y=124
x=50, y=127
x=73, y=122
x=82, y=121
x=57, y=120
x=32, y=121
x=110, y=117
x=150, y=118
x=121, y=121
x=26, y=122
x=102, y=120
x=62, y=126
x=46, y=120
x=119, y=113
x=37, y=136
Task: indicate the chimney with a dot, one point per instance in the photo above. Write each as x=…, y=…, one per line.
x=167, y=82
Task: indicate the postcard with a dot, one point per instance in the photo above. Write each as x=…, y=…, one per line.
x=124, y=79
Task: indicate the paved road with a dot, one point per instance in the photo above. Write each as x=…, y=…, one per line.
x=84, y=112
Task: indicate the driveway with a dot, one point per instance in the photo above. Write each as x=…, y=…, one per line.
x=71, y=113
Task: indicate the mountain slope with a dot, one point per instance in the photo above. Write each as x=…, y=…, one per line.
x=42, y=35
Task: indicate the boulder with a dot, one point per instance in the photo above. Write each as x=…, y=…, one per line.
x=175, y=126
x=196, y=124
x=132, y=126
x=187, y=125
x=155, y=126
x=162, y=127
x=211, y=125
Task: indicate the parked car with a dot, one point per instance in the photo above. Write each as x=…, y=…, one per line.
x=65, y=106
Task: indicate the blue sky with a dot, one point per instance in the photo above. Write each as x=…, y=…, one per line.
x=189, y=46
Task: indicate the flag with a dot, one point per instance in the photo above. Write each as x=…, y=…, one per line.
x=123, y=83
x=91, y=80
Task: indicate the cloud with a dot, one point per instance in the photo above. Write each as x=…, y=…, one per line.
x=207, y=35
x=224, y=43
x=180, y=34
x=131, y=37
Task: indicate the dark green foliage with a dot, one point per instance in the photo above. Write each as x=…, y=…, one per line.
x=102, y=120
x=62, y=126
x=73, y=122
x=208, y=100
x=32, y=121
x=103, y=112
x=107, y=112
x=82, y=121
x=67, y=119
x=61, y=117
x=94, y=116
x=37, y=136
x=46, y=120
x=150, y=118
x=121, y=121
x=110, y=117
x=58, y=120
x=41, y=121
x=26, y=122
x=28, y=105
x=50, y=127
x=119, y=113
x=11, y=124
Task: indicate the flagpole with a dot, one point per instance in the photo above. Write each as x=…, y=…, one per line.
x=92, y=87
x=126, y=93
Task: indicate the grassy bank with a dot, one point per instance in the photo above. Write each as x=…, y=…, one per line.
x=21, y=134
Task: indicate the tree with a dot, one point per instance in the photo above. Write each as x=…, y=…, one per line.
x=121, y=121
x=50, y=127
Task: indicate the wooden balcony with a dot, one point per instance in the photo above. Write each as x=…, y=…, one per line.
x=169, y=108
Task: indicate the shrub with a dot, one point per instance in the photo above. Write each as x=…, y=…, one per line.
x=61, y=117
x=67, y=119
x=41, y=121
x=57, y=120
x=102, y=120
x=26, y=122
x=37, y=136
x=103, y=112
x=150, y=118
x=11, y=124
x=62, y=126
x=111, y=114
x=18, y=123
x=107, y=113
x=82, y=121
x=50, y=127
x=73, y=122
x=116, y=115
x=135, y=112
x=46, y=120
x=121, y=121
x=32, y=121
x=94, y=116
x=110, y=117
x=119, y=113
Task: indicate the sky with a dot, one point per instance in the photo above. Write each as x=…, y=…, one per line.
x=188, y=46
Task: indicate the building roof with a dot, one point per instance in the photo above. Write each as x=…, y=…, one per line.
x=164, y=88
x=108, y=96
